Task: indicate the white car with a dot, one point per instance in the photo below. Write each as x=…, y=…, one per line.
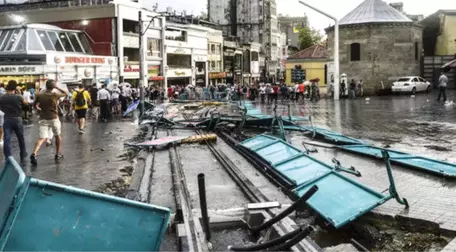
x=411, y=84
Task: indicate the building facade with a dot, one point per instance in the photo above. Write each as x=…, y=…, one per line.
x=252, y=21
x=377, y=44
x=112, y=30
x=312, y=60
x=217, y=73
x=439, y=33
x=290, y=26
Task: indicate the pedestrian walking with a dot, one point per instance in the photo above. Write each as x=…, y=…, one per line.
x=342, y=89
x=361, y=88
x=262, y=93
x=94, y=106
x=443, y=82
x=81, y=100
x=11, y=104
x=115, y=95
x=352, y=91
x=46, y=104
x=103, y=98
x=275, y=93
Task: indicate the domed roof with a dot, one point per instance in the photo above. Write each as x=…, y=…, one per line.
x=374, y=11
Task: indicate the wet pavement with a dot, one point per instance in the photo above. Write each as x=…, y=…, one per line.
x=91, y=160
x=418, y=125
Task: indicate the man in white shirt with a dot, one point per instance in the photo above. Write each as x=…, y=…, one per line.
x=28, y=98
x=104, y=97
x=115, y=95
x=262, y=93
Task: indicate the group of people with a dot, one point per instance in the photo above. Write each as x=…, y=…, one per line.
x=354, y=89
x=16, y=104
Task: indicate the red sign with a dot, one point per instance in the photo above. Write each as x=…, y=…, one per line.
x=129, y=69
x=84, y=60
x=156, y=78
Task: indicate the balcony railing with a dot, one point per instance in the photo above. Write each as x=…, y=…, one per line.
x=48, y=4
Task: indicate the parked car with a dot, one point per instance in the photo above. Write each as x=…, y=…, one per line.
x=411, y=84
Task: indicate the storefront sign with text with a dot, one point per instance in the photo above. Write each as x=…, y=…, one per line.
x=17, y=69
x=217, y=75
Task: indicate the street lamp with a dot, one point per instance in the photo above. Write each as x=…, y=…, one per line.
x=336, y=48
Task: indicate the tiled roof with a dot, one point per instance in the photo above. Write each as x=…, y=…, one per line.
x=313, y=52
x=374, y=11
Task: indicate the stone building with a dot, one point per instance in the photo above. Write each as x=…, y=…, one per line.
x=377, y=44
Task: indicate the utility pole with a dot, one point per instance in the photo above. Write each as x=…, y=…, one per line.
x=336, y=48
x=141, y=64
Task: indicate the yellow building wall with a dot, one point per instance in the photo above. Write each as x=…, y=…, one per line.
x=314, y=69
x=446, y=42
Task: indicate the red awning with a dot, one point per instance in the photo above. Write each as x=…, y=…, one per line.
x=450, y=64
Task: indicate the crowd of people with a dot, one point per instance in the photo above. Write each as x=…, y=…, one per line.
x=17, y=105
x=265, y=92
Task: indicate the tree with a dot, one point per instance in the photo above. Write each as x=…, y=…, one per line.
x=308, y=37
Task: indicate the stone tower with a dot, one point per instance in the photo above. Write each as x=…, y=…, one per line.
x=378, y=44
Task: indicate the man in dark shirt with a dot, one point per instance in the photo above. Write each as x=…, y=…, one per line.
x=47, y=104
x=11, y=104
x=94, y=98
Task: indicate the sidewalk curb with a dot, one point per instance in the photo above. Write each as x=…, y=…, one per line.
x=138, y=171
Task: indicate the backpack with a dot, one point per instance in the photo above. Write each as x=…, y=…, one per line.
x=80, y=99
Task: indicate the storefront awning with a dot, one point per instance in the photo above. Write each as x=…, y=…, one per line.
x=450, y=64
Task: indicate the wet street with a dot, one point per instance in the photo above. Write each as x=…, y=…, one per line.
x=91, y=160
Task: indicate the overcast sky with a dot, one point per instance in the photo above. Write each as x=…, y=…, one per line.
x=338, y=8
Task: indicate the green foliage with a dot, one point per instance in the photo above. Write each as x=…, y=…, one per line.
x=308, y=37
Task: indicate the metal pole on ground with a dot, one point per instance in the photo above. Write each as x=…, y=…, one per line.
x=203, y=204
x=336, y=48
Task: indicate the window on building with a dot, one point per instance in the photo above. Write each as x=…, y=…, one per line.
x=66, y=42
x=212, y=64
x=130, y=26
x=417, y=55
x=85, y=43
x=219, y=49
x=55, y=41
x=355, y=52
x=48, y=45
x=153, y=47
x=174, y=34
x=179, y=61
x=255, y=56
x=219, y=65
x=212, y=49
x=8, y=44
x=34, y=43
x=74, y=40
x=21, y=44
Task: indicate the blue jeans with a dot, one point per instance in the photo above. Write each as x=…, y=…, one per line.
x=13, y=124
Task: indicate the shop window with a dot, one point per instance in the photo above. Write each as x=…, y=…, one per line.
x=55, y=41
x=66, y=42
x=75, y=42
x=85, y=43
x=48, y=45
x=355, y=52
x=34, y=43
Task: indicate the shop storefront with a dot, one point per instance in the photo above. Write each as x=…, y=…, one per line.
x=217, y=78
x=154, y=77
x=179, y=77
x=43, y=52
